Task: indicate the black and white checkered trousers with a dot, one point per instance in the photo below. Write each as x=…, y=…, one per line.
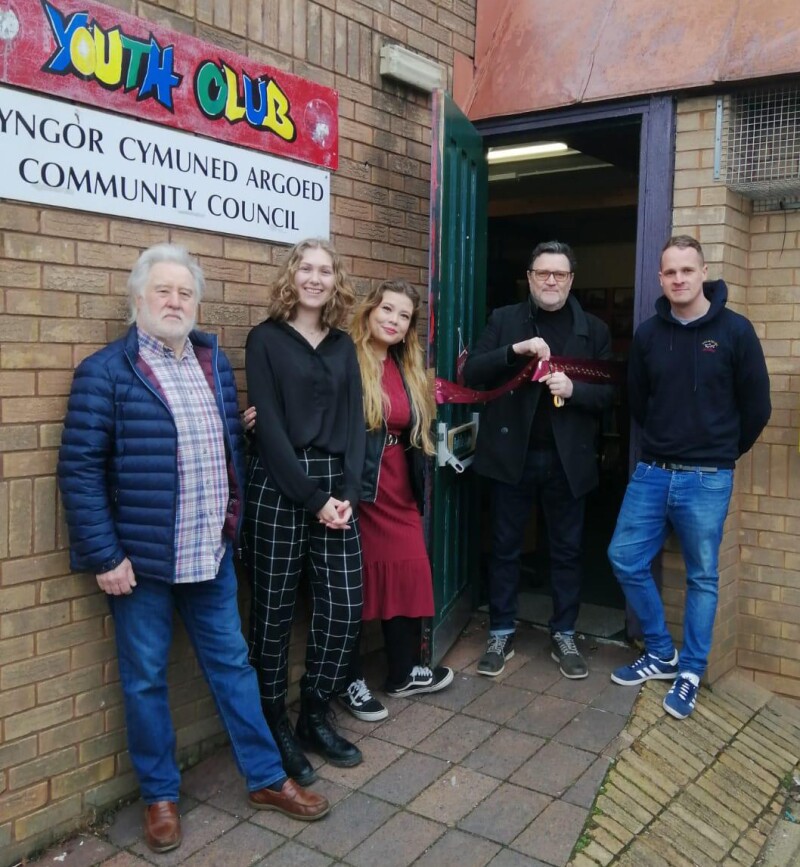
x=282, y=540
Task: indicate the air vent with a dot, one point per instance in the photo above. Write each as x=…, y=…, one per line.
x=759, y=145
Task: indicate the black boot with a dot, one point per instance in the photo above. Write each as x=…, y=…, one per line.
x=315, y=733
x=293, y=759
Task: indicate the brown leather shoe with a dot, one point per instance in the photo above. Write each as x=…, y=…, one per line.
x=162, y=826
x=292, y=800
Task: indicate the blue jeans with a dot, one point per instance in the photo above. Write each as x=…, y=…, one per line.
x=695, y=504
x=143, y=625
x=543, y=480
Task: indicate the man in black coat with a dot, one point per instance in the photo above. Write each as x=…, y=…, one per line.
x=535, y=450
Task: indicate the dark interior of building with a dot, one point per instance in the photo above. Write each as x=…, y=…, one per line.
x=587, y=196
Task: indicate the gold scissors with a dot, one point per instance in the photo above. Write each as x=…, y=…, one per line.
x=543, y=368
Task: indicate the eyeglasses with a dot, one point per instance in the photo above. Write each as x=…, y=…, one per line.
x=544, y=276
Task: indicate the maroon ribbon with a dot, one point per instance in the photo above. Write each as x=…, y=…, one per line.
x=580, y=369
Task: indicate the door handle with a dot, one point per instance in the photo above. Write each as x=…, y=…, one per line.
x=455, y=447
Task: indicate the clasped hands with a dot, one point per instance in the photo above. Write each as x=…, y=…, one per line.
x=558, y=382
x=335, y=514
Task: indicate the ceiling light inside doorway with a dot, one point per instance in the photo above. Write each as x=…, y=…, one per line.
x=527, y=152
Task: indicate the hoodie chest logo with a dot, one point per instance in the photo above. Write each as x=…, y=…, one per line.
x=710, y=345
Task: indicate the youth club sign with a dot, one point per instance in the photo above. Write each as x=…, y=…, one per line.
x=102, y=57
x=64, y=154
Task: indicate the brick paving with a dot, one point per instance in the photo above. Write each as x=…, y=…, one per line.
x=505, y=772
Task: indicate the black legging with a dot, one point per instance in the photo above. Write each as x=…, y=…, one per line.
x=398, y=636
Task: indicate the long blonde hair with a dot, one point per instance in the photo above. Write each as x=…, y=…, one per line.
x=408, y=356
x=282, y=299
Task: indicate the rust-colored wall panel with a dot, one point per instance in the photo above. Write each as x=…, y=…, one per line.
x=539, y=55
x=649, y=47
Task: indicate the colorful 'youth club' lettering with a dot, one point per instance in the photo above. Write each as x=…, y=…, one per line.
x=110, y=57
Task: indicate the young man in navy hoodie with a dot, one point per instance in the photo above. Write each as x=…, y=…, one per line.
x=699, y=389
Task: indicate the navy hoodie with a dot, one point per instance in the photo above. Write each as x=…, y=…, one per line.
x=699, y=391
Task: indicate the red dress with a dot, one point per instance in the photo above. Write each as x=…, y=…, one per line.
x=397, y=572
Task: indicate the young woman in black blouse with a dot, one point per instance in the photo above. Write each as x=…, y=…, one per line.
x=303, y=485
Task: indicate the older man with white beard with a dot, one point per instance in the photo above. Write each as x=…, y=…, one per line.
x=151, y=473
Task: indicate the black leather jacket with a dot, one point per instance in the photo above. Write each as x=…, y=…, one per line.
x=376, y=443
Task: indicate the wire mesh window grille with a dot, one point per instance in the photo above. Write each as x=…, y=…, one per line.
x=761, y=145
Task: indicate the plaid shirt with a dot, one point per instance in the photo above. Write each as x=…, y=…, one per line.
x=203, y=489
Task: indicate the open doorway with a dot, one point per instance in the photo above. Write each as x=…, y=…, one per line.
x=586, y=194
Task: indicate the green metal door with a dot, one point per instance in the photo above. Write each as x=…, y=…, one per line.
x=456, y=308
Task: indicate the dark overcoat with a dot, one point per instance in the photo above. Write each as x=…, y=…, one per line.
x=505, y=425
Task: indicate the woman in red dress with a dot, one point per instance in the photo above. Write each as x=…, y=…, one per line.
x=398, y=410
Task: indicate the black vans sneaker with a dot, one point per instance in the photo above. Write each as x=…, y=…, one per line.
x=422, y=679
x=360, y=702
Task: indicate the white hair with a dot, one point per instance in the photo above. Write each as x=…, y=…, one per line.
x=140, y=272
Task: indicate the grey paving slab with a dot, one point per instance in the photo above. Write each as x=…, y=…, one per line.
x=553, y=833
x=505, y=814
x=242, y=846
x=377, y=753
x=457, y=738
x=453, y=795
x=293, y=854
x=232, y=799
x=583, y=689
x=354, y=819
x=591, y=730
x=616, y=699
x=85, y=850
x=545, y=715
x=403, y=780
x=510, y=858
x=397, y=843
x=503, y=752
x=499, y=703
x=414, y=723
x=536, y=676
x=584, y=790
x=553, y=769
x=456, y=849
x=124, y=859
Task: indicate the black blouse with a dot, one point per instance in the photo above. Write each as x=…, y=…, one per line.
x=305, y=397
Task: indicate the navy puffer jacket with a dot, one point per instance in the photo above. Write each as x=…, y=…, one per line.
x=117, y=467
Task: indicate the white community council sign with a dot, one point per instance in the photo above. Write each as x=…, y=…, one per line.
x=58, y=153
